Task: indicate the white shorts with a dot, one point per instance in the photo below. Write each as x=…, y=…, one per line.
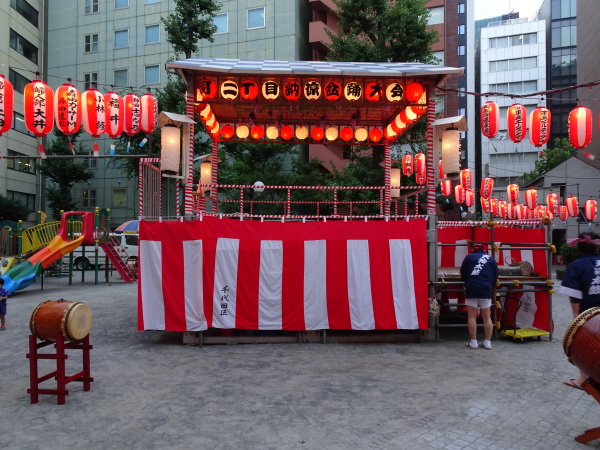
x=480, y=303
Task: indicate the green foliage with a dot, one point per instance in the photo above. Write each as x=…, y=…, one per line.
x=63, y=173
x=562, y=151
x=192, y=21
x=380, y=30
x=12, y=210
x=569, y=253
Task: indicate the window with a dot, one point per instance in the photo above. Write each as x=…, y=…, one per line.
x=152, y=34
x=515, y=87
x=121, y=38
x=523, y=39
x=436, y=16
x=499, y=42
x=221, y=22
x=27, y=200
x=121, y=4
x=461, y=49
x=91, y=43
x=440, y=56
x=92, y=163
x=151, y=75
x=461, y=91
x=18, y=81
x=91, y=6
x=88, y=198
x=23, y=46
x=461, y=29
x=119, y=198
x=152, y=1
x=120, y=78
x=461, y=8
x=530, y=63
x=22, y=164
x=26, y=10
x=256, y=18
x=91, y=80
x=19, y=124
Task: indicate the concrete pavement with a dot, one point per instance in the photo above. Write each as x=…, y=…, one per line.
x=151, y=391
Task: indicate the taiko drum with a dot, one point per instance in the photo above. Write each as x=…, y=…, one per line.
x=70, y=319
x=582, y=343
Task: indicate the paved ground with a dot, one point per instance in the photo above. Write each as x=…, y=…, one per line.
x=151, y=391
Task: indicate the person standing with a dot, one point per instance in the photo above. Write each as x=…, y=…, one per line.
x=582, y=282
x=479, y=272
x=3, y=297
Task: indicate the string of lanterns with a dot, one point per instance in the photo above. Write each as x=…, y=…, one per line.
x=69, y=110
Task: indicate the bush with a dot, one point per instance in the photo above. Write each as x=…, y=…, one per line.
x=569, y=253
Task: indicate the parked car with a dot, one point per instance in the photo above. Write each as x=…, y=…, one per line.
x=125, y=244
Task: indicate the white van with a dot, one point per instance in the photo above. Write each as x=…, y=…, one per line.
x=127, y=247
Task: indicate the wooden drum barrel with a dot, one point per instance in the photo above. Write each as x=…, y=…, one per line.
x=70, y=319
x=582, y=343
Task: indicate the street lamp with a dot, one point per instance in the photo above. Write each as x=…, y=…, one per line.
x=259, y=187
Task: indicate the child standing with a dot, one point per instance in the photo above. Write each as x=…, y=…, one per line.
x=3, y=296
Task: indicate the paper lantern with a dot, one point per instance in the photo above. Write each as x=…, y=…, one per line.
x=389, y=133
x=590, y=209
x=502, y=209
x=301, y=133
x=520, y=211
x=149, y=113
x=490, y=119
x=466, y=178
x=249, y=90
x=227, y=132
x=67, y=109
x=374, y=91
x=170, y=148
x=114, y=108
x=511, y=211
x=331, y=134
x=346, y=134
x=440, y=169
x=205, y=175
x=229, y=90
x=205, y=90
x=451, y=150
x=485, y=204
x=394, y=92
x=410, y=114
x=459, y=194
x=531, y=198
x=446, y=187
x=539, y=126
x=272, y=132
x=312, y=90
x=38, y=103
x=317, y=133
x=131, y=113
x=420, y=163
x=286, y=132
x=6, y=105
x=580, y=127
x=332, y=91
x=361, y=134
x=572, y=205
x=93, y=115
x=398, y=125
x=563, y=213
x=353, y=91
x=420, y=178
x=292, y=90
x=407, y=165
x=203, y=110
x=494, y=203
x=540, y=211
x=257, y=132
x=469, y=197
x=375, y=135
x=395, y=181
x=516, y=122
x=487, y=187
x=552, y=202
x=414, y=92
x=270, y=90
x=242, y=131
x=512, y=190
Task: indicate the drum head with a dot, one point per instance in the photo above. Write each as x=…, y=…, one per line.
x=77, y=321
x=577, y=323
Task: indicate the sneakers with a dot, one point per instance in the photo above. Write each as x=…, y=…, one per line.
x=487, y=345
x=471, y=346
x=2, y=328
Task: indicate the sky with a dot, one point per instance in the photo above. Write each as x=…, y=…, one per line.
x=493, y=8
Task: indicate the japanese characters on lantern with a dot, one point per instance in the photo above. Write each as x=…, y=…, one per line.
x=466, y=178
x=67, y=109
x=38, y=101
x=132, y=114
x=539, y=126
x=6, y=104
x=407, y=165
x=490, y=119
x=512, y=190
x=516, y=122
x=552, y=202
x=487, y=187
x=93, y=115
x=113, y=104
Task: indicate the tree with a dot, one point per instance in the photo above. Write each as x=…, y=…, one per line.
x=63, y=173
x=192, y=21
x=12, y=210
x=561, y=151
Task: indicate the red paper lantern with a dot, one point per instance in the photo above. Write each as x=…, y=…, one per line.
x=287, y=132
x=317, y=133
x=580, y=127
x=516, y=122
x=389, y=133
x=227, y=131
x=511, y=212
x=459, y=194
x=590, y=209
x=513, y=193
x=375, y=134
x=205, y=90
x=407, y=165
x=572, y=206
x=540, y=211
x=420, y=163
x=552, y=202
x=249, y=90
x=93, y=114
x=113, y=104
x=502, y=209
x=494, y=206
x=38, y=100
x=440, y=169
x=466, y=178
x=490, y=119
x=446, y=186
x=420, y=178
x=374, y=91
x=487, y=187
x=531, y=198
x=6, y=104
x=67, y=109
x=520, y=211
x=486, y=205
x=346, y=134
x=257, y=132
x=149, y=113
x=332, y=91
x=132, y=112
x=539, y=126
x=414, y=92
x=563, y=213
x=469, y=197
x=292, y=90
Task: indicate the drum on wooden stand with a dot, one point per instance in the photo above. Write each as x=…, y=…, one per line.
x=70, y=319
x=582, y=343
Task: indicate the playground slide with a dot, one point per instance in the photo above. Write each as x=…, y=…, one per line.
x=25, y=273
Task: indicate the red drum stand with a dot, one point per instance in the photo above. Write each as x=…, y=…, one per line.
x=59, y=374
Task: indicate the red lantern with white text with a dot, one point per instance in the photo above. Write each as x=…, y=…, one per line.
x=563, y=213
x=580, y=127
x=6, y=104
x=486, y=205
x=590, y=209
x=420, y=178
x=487, y=187
x=516, y=122
x=539, y=126
x=407, y=165
x=531, y=198
x=513, y=193
x=149, y=113
x=572, y=206
x=38, y=100
x=466, y=178
x=490, y=119
x=420, y=161
x=494, y=206
x=446, y=186
x=93, y=114
x=132, y=112
x=552, y=202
